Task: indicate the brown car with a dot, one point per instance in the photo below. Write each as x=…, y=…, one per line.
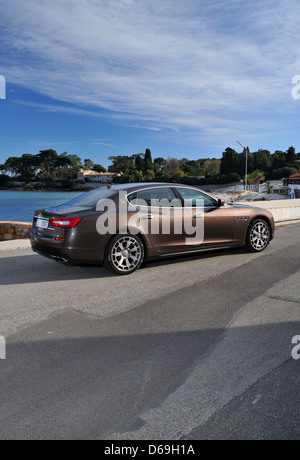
x=120, y=226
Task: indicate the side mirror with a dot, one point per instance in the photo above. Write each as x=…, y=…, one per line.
x=221, y=203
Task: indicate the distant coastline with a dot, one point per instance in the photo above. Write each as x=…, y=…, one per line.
x=23, y=189
x=48, y=189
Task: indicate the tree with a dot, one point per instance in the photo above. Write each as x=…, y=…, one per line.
x=137, y=176
x=159, y=163
x=186, y=167
x=122, y=164
x=233, y=177
x=269, y=188
x=74, y=161
x=256, y=178
x=212, y=167
x=23, y=167
x=262, y=160
x=87, y=163
x=148, y=163
x=279, y=160
x=229, y=161
x=282, y=173
x=139, y=162
x=291, y=157
x=27, y=167
x=47, y=160
x=98, y=168
x=11, y=165
x=177, y=176
x=288, y=171
x=62, y=161
x=150, y=175
x=172, y=166
x=3, y=179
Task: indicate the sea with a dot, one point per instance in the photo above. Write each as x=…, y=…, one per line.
x=20, y=205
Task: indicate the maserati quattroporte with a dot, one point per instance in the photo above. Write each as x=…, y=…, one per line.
x=120, y=226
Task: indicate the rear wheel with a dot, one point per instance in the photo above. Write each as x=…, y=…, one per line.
x=258, y=236
x=124, y=254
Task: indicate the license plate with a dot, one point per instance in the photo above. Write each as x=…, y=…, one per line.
x=42, y=223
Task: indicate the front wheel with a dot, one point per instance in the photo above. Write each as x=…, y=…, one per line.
x=124, y=254
x=258, y=236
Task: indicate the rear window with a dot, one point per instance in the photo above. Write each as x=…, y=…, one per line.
x=90, y=199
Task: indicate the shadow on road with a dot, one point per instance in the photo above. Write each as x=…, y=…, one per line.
x=33, y=268
x=56, y=386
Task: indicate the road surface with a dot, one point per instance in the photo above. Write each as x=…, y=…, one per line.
x=188, y=348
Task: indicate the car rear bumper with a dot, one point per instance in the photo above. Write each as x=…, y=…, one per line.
x=63, y=252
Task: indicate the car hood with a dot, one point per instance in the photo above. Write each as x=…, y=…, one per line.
x=245, y=206
x=252, y=206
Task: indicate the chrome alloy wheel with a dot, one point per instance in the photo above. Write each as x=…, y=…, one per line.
x=259, y=236
x=126, y=254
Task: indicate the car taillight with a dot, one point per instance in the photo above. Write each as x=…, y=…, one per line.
x=65, y=221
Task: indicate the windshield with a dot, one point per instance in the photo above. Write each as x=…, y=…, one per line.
x=90, y=199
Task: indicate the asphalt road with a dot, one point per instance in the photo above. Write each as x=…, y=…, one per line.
x=186, y=348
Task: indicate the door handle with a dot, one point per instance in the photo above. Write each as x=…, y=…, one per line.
x=198, y=216
x=149, y=217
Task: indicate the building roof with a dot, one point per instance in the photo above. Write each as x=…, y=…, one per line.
x=294, y=180
x=90, y=172
x=295, y=176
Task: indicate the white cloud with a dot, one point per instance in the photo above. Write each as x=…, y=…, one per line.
x=68, y=142
x=178, y=64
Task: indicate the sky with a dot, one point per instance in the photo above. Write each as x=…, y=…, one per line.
x=184, y=78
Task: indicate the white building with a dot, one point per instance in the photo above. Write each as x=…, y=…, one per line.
x=88, y=175
x=293, y=184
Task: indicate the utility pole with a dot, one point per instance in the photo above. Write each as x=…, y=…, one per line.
x=246, y=150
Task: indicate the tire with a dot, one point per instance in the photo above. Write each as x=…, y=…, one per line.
x=124, y=254
x=258, y=236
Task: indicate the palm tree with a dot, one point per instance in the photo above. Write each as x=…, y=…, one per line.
x=256, y=178
x=269, y=187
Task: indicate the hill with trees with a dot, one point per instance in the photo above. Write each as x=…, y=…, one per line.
x=48, y=168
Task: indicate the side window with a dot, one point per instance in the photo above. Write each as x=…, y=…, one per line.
x=193, y=198
x=159, y=197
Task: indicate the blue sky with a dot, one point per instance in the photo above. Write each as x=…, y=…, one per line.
x=185, y=78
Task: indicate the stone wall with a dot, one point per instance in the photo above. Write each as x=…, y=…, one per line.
x=282, y=210
x=14, y=230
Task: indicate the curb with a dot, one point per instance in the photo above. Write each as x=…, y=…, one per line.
x=12, y=245
x=287, y=222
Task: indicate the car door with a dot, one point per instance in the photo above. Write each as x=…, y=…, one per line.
x=159, y=213
x=217, y=221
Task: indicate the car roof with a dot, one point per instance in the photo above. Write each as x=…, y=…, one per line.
x=138, y=185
